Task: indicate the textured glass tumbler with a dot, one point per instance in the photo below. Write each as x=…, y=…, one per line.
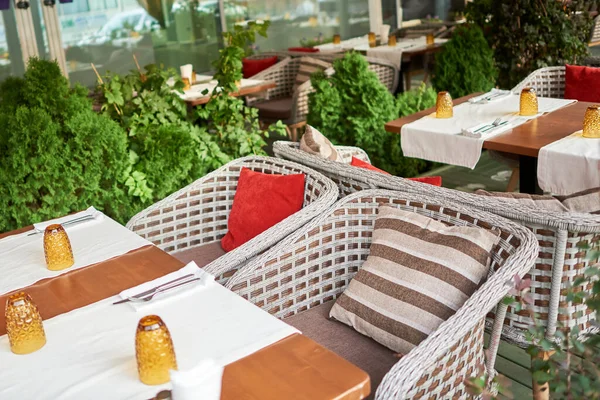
x=430, y=39
x=186, y=83
x=443, y=105
x=24, y=325
x=392, y=41
x=57, y=248
x=154, y=351
x=372, y=39
x=337, y=39
x=591, y=122
x=528, y=104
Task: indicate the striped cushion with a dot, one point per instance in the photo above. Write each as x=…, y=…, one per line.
x=315, y=143
x=308, y=66
x=418, y=273
x=587, y=201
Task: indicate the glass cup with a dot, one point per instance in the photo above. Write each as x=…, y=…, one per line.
x=430, y=39
x=193, y=77
x=57, y=248
x=372, y=39
x=154, y=351
x=186, y=83
x=24, y=325
x=337, y=39
x=443, y=105
x=591, y=122
x=392, y=41
x=529, y=103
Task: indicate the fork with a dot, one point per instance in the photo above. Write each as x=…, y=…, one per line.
x=160, y=290
x=67, y=223
x=493, y=124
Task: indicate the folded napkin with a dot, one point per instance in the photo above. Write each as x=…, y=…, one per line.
x=190, y=269
x=97, y=216
x=486, y=130
x=491, y=96
x=201, y=382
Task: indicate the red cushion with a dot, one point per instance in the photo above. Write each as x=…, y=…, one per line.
x=582, y=83
x=253, y=67
x=261, y=201
x=432, y=180
x=304, y=49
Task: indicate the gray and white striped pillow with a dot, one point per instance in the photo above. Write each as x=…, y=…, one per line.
x=308, y=66
x=418, y=274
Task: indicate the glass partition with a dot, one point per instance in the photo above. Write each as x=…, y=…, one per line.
x=11, y=59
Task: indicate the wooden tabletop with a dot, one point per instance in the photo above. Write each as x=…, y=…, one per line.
x=293, y=368
x=526, y=139
x=244, y=91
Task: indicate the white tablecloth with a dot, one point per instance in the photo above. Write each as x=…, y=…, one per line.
x=415, y=44
x=441, y=140
x=344, y=45
x=196, y=91
x=569, y=165
x=90, y=352
x=22, y=260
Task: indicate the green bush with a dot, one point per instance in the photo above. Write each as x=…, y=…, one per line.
x=526, y=35
x=58, y=156
x=351, y=108
x=466, y=64
x=416, y=100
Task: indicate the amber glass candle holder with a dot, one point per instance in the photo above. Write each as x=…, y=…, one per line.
x=430, y=39
x=591, y=122
x=24, y=325
x=372, y=39
x=528, y=105
x=57, y=248
x=392, y=41
x=186, y=83
x=193, y=77
x=443, y=105
x=154, y=351
x=337, y=39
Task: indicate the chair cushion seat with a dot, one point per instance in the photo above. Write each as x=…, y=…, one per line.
x=202, y=255
x=275, y=109
x=360, y=350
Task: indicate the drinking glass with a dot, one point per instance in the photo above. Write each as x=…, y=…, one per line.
x=529, y=103
x=186, y=83
x=154, y=351
x=24, y=325
x=372, y=39
x=392, y=41
x=443, y=105
x=430, y=39
x=57, y=248
x=337, y=39
x=193, y=77
x=591, y=122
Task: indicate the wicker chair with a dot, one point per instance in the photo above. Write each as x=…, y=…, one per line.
x=315, y=264
x=197, y=215
x=595, y=34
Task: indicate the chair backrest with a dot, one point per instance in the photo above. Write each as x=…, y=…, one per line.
x=595, y=34
x=315, y=264
x=547, y=82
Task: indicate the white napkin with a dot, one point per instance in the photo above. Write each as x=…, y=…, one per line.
x=478, y=131
x=494, y=94
x=97, y=216
x=186, y=71
x=201, y=382
x=190, y=269
x=384, y=33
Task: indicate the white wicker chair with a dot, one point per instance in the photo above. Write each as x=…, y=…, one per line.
x=547, y=82
x=315, y=264
x=595, y=34
x=197, y=214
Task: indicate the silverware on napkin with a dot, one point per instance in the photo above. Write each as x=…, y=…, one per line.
x=161, y=290
x=484, y=129
x=489, y=97
x=67, y=223
x=154, y=290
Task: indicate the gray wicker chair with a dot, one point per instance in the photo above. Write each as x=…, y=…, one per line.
x=197, y=215
x=315, y=264
x=595, y=34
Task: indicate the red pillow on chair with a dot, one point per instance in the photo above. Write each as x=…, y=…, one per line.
x=432, y=180
x=582, y=83
x=253, y=67
x=304, y=49
x=261, y=201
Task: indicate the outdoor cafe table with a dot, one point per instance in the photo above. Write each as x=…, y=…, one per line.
x=294, y=367
x=248, y=87
x=524, y=141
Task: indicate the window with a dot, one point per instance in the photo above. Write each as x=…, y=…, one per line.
x=75, y=7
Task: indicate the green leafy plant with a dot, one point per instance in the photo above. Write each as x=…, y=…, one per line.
x=58, y=156
x=351, y=108
x=466, y=64
x=526, y=35
x=225, y=117
x=317, y=41
x=416, y=100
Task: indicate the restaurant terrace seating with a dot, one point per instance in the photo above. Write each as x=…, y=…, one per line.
x=299, y=279
x=190, y=223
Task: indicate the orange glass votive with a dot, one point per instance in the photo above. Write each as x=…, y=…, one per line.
x=337, y=39
x=57, y=248
x=154, y=351
x=372, y=39
x=392, y=41
x=443, y=105
x=186, y=83
x=591, y=122
x=528, y=103
x=193, y=77
x=430, y=39
x=24, y=325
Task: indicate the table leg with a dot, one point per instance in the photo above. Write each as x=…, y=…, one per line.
x=528, y=175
